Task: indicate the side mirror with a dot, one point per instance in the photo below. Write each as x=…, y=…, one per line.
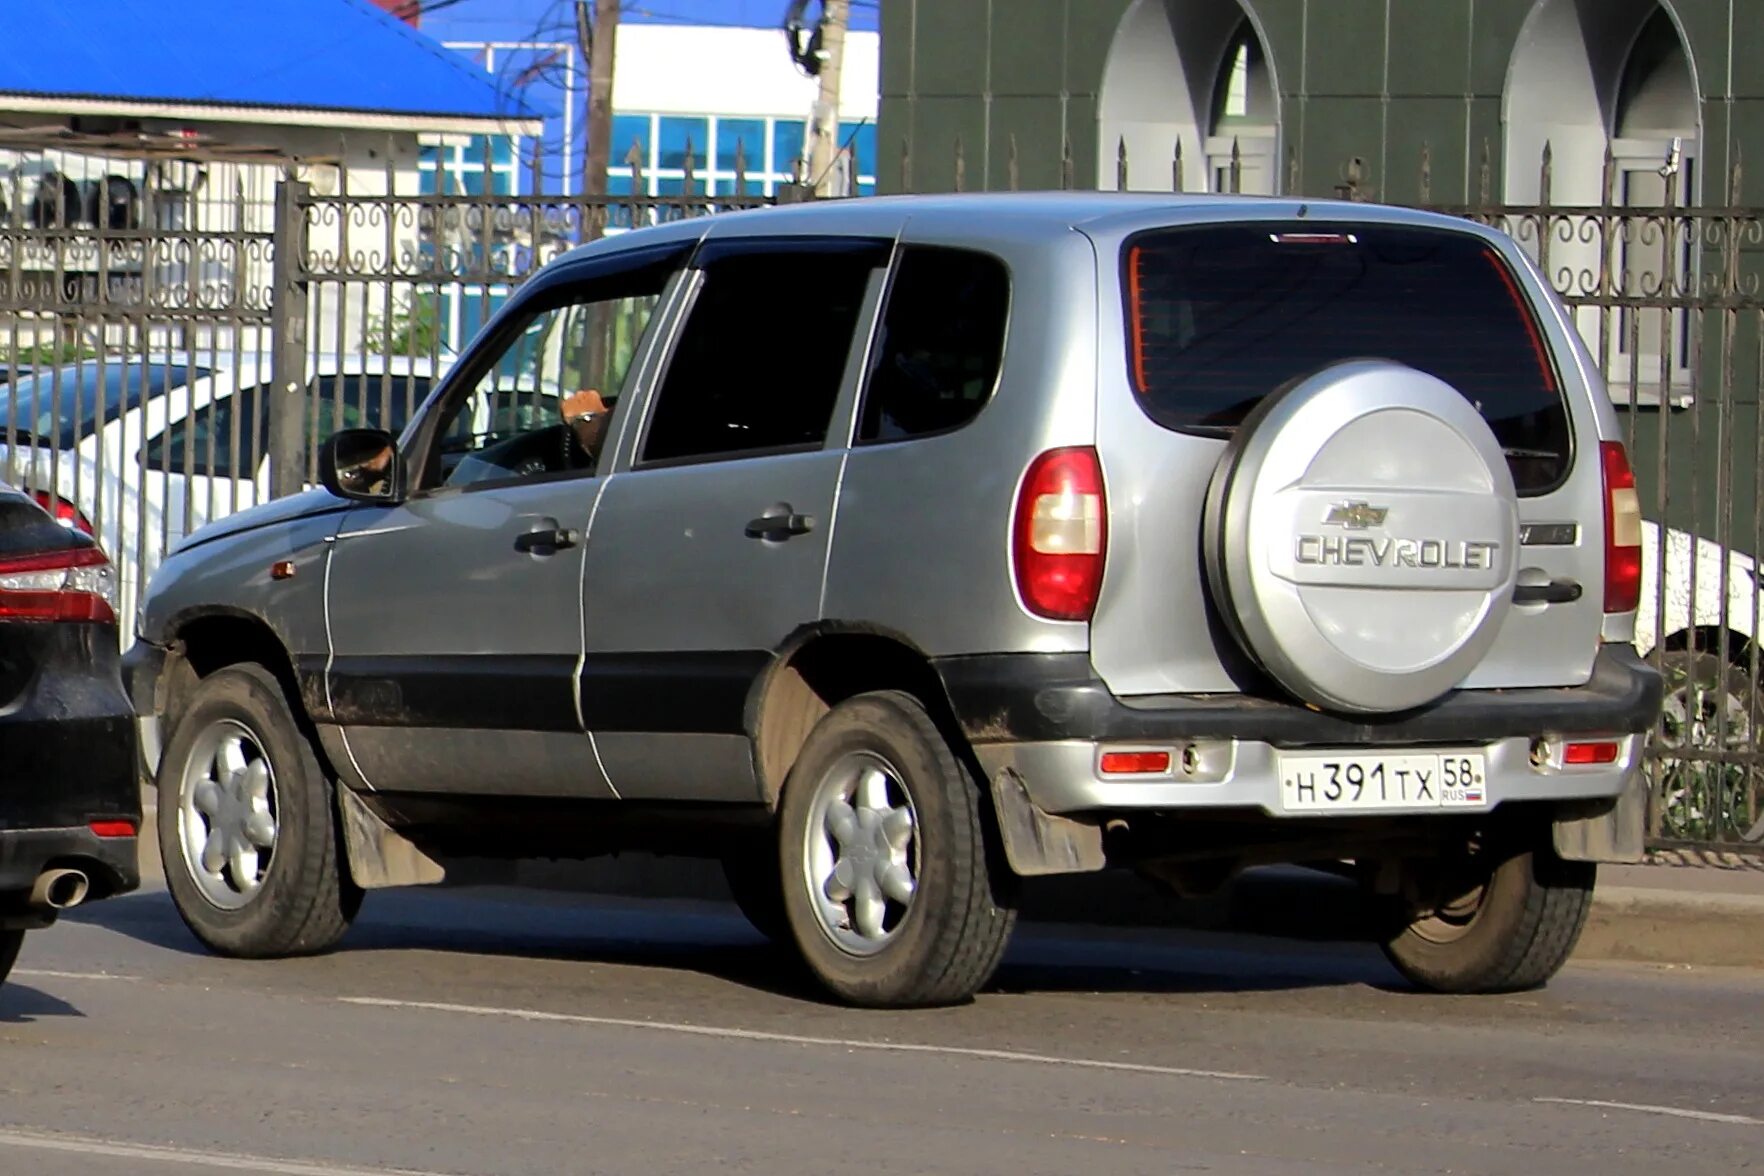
x=363, y=465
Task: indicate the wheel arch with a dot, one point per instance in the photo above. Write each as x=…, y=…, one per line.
x=209, y=639
x=822, y=665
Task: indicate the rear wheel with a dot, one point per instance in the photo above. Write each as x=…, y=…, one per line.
x=10, y=942
x=1489, y=921
x=888, y=885
x=1710, y=708
x=248, y=825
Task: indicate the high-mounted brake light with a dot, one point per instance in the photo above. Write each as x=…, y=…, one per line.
x=75, y=584
x=1623, y=530
x=1060, y=536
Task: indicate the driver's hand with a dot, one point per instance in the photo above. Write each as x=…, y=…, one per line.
x=582, y=403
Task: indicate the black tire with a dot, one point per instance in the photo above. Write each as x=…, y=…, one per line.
x=305, y=900
x=758, y=889
x=1512, y=933
x=10, y=942
x=954, y=931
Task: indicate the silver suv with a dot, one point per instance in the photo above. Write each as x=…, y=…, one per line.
x=894, y=550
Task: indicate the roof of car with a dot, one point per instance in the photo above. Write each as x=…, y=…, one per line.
x=993, y=216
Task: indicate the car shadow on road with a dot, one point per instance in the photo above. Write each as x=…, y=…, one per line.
x=712, y=939
x=20, y=1004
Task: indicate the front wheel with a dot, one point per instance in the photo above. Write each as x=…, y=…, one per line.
x=248, y=825
x=1487, y=922
x=889, y=888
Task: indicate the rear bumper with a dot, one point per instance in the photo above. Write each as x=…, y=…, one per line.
x=112, y=863
x=67, y=759
x=1047, y=718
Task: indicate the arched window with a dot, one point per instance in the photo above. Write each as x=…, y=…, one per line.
x=1244, y=118
x=1194, y=72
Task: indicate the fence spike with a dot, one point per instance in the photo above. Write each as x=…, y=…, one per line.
x=1292, y=169
x=686, y=181
x=1121, y=165
x=1426, y=174
x=1066, y=164
x=1544, y=174
x=1485, y=173
x=1176, y=166
x=1011, y=176
x=961, y=167
x=906, y=166
x=740, y=167
x=1608, y=177
x=634, y=157
x=1236, y=166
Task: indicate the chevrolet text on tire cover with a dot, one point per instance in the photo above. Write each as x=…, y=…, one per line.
x=1178, y=534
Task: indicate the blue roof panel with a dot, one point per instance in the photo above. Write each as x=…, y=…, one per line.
x=311, y=54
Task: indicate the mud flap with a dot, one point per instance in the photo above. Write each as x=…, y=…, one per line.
x=1615, y=834
x=1038, y=842
x=379, y=855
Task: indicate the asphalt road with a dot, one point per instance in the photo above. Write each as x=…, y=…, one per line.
x=484, y=1032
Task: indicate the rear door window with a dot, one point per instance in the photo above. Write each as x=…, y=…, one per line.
x=1220, y=316
x=937, y=355
x=759, y=363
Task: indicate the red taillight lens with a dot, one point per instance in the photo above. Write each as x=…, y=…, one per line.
x=1590, y=753
x=1134, y=763
x=1623, y=530
x=1060, y=536
x=112, y=828
x=76, y=584
x=65, y=512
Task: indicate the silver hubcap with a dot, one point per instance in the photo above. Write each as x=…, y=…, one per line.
x=861, y=859
x=227, y=814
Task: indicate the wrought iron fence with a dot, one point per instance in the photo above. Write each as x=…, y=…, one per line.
x=177, y=355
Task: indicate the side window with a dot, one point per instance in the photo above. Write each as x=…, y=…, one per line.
x=545, y=403
x=937, y=357
x=228, y=437
x=759, y=363
x=225, y=438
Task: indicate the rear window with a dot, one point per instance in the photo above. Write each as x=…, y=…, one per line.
x=1220, y=316
x=63, y=406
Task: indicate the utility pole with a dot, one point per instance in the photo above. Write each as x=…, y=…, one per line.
x=824, y=134
x=597, y=35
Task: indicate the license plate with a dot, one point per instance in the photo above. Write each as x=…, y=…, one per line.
x=1325, y=781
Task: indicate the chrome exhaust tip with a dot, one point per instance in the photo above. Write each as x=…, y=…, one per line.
x=60, y=889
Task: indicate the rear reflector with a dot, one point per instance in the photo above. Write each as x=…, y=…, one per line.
x=113, y=828
x=74, y=584
x=1604, y=752
x=1623, y=530
x=1060, y=535
x=1134, y=763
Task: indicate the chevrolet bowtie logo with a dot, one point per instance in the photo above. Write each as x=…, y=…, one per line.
x=1356, y=516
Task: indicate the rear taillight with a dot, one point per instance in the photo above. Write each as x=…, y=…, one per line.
x=65, y=512
x=1623, y=530
x=1060, y=536
x=72, y=585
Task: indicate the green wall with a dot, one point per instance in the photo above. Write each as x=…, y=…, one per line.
x=1377, y=80
x=1372, y=79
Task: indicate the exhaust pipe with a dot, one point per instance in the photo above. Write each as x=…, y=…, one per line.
x=60, y=889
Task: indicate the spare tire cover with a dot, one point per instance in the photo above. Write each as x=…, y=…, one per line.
x=1362, y=536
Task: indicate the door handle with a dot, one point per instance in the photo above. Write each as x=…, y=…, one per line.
x=546, y=540
x=780, y=523
x=1555, y=592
